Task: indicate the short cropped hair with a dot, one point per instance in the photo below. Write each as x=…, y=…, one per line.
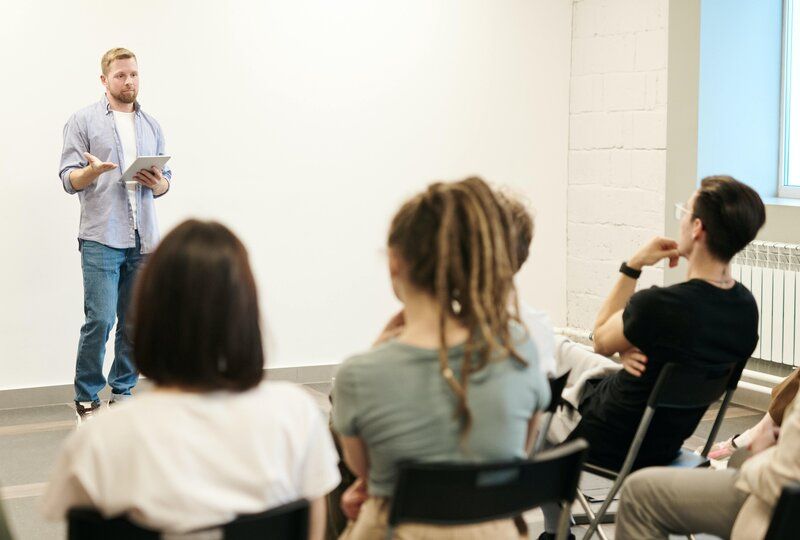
x=117, y=53
x=195, y=319
x=731, y=213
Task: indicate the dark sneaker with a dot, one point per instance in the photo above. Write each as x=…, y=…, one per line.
x=550, y=536
x=85, y=410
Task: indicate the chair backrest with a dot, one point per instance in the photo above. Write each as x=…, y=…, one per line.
x=556, y=388
x=459, y=493
x=786, y=516
x=287, y=522
x=682, y=386
x=89, y=524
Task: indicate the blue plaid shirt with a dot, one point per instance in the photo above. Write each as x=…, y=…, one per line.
x=106, y=214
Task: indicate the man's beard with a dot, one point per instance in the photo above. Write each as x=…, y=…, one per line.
x=125, y=97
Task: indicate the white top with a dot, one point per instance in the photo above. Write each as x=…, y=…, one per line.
x=177, y=461
x=126, y=128
x=541, y=330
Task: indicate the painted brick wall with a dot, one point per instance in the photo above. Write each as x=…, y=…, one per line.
x=617, y=145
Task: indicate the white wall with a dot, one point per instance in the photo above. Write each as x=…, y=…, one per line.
x=303, y=125
x=617, y=142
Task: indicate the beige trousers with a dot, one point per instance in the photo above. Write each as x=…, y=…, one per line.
x=659, y=501
x=374, y=516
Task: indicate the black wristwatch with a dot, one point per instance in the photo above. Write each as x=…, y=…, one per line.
x=630, y=272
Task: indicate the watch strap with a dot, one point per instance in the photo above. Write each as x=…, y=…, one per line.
x=630, y=272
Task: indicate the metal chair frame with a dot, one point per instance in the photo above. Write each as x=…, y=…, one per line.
x=668, y=392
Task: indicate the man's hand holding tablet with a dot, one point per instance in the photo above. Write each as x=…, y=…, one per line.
x=147, y=171
x=149, y=178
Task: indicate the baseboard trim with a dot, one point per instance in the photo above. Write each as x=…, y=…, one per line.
x=752, y=395
x=54, y=395
x=753, y=391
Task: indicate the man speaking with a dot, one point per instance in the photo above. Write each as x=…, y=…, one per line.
x=118, y=221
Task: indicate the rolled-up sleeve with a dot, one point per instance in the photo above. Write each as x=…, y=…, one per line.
x=161, y=150
x=75, y=144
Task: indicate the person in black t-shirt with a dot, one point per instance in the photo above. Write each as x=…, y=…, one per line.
x=707, y=319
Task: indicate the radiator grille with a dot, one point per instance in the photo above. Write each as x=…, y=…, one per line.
x=771, y=271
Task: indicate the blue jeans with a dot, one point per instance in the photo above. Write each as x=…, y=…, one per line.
x=108, y=277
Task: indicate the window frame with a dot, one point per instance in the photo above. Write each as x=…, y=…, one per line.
x=786, y=190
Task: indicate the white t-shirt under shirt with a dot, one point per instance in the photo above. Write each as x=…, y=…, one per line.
x=177, y=461
x=126, y=128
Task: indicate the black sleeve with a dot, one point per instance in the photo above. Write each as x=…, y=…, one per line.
x=641, y=318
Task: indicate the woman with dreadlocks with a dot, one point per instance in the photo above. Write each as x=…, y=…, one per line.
x=461, y=381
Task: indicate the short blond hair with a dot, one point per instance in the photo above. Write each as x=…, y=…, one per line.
x=117, y=53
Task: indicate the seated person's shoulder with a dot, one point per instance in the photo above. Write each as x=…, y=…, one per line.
x=647, y=311
x=522, y=340
x=654, y=299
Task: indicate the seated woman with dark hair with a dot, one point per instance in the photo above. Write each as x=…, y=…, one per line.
x=211, y=441
x=461, y=380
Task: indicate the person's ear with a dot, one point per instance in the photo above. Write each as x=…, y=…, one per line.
x=396, y=264
x=104, y=81
x=697, y=229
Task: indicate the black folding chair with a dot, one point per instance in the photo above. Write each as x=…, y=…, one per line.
x=678, y=387
x=287, y=522
x=468, y=493
x=785, y=522
x=556, y=388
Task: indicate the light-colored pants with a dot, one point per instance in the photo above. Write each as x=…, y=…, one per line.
x=583, y=365
x=373, y=519
x=659, y=501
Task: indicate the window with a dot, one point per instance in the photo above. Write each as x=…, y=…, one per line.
x=789, y=171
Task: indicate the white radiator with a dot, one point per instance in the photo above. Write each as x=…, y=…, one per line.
x=771, y=271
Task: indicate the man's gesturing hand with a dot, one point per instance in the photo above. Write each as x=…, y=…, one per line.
x=98, y=167
x=653, y=251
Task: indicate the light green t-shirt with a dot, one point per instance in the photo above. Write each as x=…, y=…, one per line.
x=396, y=400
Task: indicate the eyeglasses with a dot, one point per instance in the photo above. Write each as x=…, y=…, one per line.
x=680, y=210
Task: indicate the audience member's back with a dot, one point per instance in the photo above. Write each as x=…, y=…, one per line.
x=693, y=323
x=707, y=321
x=211, y=441
x=404, y=408
x=461, y=381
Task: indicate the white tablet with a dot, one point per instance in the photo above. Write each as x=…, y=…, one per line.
x=143, y=162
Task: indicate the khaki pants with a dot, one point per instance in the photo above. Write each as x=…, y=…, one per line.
x=659, y=501
x=372, y=524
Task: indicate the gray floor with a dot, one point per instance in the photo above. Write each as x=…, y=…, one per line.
x=30, y=439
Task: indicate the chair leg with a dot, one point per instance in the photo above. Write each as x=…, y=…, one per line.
x=626, y=468
x=592, y=518
x=563, y=522
x=594, y=525
x=585, y=504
